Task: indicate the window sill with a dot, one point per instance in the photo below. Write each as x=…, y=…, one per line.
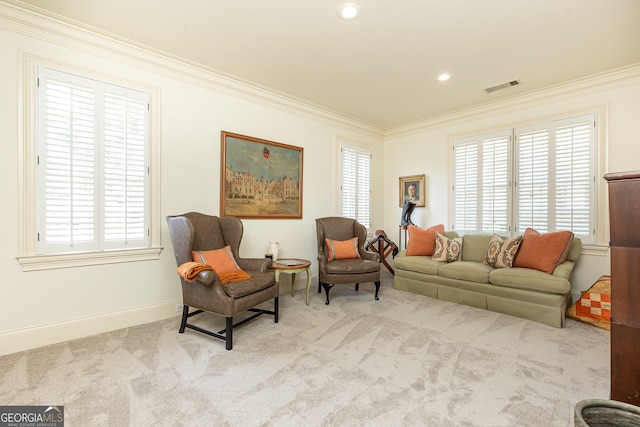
x=69, y=260
x=598, y=250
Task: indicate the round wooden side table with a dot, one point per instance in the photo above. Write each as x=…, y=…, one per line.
x=293, y=266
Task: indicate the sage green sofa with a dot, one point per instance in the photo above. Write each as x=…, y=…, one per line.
x=521, y=292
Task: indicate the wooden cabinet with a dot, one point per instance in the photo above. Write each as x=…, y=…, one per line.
x=624, y=215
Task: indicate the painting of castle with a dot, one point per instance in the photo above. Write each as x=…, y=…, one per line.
x=260, y=179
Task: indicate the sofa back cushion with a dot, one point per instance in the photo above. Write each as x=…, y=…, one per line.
x=475, y=246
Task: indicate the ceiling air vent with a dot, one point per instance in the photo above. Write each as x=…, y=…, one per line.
x=502, y=86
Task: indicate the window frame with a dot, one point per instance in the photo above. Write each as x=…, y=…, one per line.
x=27, y=256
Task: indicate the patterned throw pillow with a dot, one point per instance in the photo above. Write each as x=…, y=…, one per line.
x=543, y=252
x=422, y=242
x=448, y=250
x=221, y=260
x=342, y=249
x=501, y=252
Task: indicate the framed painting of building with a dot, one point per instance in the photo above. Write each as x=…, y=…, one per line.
x=260, y=178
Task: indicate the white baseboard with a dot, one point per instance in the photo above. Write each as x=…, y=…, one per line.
x=38, y=336
x=28, y=338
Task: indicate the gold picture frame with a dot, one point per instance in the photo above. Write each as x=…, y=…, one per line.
x=260, y=178
x=412, y=188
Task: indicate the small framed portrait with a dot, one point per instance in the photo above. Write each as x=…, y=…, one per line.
x=412, y=188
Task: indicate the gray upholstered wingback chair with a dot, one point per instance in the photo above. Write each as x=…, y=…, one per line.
x=199, y=232
x=343, y=271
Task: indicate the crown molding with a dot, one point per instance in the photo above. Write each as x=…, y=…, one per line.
x=34, y=22
x=613, y=79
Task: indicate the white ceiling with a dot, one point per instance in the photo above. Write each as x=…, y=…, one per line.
x=382, y=67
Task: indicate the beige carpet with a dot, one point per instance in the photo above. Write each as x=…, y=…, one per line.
x=405, y=360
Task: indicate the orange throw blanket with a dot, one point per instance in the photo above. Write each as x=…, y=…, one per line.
x=190, y=270
x=234, y=276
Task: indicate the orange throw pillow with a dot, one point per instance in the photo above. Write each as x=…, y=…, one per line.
x=342, y=249
x=543, y=252
x=221, y=260
x=422, y=242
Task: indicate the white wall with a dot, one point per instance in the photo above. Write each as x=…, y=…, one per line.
x=41, y=307
x=424, y=148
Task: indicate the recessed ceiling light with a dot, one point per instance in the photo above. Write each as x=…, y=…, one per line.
x=444, y=77
x=349, y=11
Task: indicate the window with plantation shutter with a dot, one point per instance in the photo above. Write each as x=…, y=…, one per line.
x=574, y=183
x=481, y=184
x=356, y=183
x=92, y=167
x=555, y=184
x=548, y=183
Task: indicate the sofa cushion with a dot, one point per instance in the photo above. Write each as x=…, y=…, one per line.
x=447, y=250
x=351, y=266
x=543, y=252
x=421, y=241
x=501, y=252
x=466, y=270
x=529, y=279
x=420, y=264
x=475, y=246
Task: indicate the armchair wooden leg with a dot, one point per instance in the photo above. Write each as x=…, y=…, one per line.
x=377, y=283
x=319, y=286
x=229, y=333
x=357, y=286
x=275, y=310
x=185, y=315
x=327, y=287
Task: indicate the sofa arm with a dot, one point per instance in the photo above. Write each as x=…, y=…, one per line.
x=564, y=270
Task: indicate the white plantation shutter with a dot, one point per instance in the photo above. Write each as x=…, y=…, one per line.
x=481, y=184
x=466, y=187
x=356, y=183
x=92, y=165
x=495, y=184
x=349, y=182
x=574, y=183
x=533, y=180
x=125, y=164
